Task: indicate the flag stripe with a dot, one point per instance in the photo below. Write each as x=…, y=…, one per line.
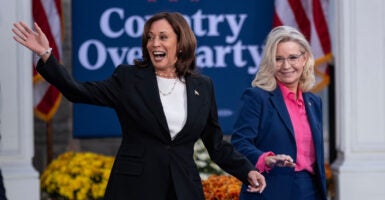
x=50, y=96
x=41, y=17
x=48, y=14
x=54, y=22
x=276, y=20
x=285, y=13
x=301, y=18
x=322, y=28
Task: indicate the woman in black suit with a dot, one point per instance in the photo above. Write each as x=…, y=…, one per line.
x=164, y=107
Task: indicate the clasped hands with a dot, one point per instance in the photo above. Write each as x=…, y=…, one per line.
x=257, y=181
x=279, y=160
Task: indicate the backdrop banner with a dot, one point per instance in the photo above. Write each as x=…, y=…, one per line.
x=230, y=38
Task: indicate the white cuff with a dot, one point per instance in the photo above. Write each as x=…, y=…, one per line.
x=48, y=51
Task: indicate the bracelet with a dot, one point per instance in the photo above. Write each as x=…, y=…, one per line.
x=48, y=51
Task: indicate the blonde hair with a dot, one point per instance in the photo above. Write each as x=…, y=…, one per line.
x=265, y=77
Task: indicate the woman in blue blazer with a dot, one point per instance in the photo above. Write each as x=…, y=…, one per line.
x=279, y=127
x=163, y=107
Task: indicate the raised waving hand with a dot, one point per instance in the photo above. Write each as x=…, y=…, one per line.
x=35, y=40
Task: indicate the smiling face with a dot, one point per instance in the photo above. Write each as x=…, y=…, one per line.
x=162, y=46
x=290, y=62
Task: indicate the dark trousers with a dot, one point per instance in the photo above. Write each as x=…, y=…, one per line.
x=2, y=189
x=306, y=187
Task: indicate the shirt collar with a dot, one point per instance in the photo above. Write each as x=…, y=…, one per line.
x=289, y=94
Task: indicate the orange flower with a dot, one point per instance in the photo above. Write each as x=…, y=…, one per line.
x=221, y=187
x=328, y=171
x=329, y=179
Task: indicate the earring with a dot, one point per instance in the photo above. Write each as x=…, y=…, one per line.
x=180, y=53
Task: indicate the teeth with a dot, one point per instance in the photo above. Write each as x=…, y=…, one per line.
x=158, y=53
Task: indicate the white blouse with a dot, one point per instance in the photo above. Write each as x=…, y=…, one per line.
x=174, y=101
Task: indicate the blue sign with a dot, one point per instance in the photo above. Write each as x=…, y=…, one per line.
x=230, y=38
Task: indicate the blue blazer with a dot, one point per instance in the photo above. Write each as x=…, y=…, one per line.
x=264, y=125
x=148, y=161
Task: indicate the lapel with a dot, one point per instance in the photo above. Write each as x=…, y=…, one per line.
x=279, y=104
x=147, y=87
x=310, y=105
x=195, y=96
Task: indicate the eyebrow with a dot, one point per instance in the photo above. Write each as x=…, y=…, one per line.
x=161, y=32
x=289, y=55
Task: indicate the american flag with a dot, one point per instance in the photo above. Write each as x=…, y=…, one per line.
x=48, y=14
x=310, y=17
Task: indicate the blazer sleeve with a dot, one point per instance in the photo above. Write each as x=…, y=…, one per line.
x=220, y=151
x=246, y=127
x=102, y=93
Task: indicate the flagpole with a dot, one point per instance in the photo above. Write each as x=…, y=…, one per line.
x=49, y=141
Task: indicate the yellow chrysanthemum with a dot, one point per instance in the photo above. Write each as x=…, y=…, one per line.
x=80, y=176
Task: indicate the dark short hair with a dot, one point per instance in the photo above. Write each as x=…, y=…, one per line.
x=186, y=42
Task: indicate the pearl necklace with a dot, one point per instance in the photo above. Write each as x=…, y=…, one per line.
x=171, y=90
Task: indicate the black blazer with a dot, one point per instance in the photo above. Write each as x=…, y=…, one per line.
x=148, y=161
